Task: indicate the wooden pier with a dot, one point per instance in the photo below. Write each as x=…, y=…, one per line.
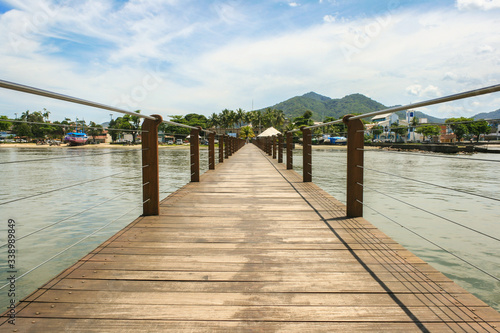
x=251, y=248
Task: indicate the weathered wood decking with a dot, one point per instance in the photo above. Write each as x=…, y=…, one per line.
x=251, y=248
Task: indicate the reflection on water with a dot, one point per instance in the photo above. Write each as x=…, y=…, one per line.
x=329, y=169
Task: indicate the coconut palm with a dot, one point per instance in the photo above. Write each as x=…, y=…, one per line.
x=246, y=132
x=240, y=116
x=214, y=121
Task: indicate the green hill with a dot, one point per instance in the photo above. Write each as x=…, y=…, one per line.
x=488, y=115
x=322, y=107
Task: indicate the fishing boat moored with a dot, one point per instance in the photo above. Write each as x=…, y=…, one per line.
x=76, y=138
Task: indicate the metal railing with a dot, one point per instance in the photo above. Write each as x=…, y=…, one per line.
x=355, y=146
x=150, y=167
x=355, y=167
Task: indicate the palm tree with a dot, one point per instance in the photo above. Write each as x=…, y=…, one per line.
x=246, y=132
x=225, y=118
x=213, y=121
x=46, y=114
x=240, y=116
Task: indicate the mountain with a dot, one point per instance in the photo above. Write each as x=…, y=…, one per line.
x=322, y=106
x=488, y=115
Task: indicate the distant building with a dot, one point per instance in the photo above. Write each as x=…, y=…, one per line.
x=386, y=120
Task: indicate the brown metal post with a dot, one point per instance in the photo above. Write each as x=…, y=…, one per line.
x=273, y=141
x=221, y=148
x=289, y=153
x=307, y=155
x=211, y=151
x=150, y=174
x=355, y=145
x=194, y=148
x=280, y=148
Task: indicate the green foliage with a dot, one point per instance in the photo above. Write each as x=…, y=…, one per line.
x=377, y=130
x=429, y=130
x=5, y=125
x=479, y=127
x=323, y=107
x=304, y=120
x=402, y=131
x=246, y=132
x=95, y=130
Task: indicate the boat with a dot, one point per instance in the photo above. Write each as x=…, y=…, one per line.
x=338, y=140
x=76, y=138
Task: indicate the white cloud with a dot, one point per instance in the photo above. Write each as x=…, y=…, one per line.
x=405, y=55
x=478, y=4
x=418, y=90
x=293, y=4
x=329, y=18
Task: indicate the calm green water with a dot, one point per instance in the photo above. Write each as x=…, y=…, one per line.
x=24, y=179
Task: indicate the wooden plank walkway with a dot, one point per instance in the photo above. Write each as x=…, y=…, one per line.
x=251, y=248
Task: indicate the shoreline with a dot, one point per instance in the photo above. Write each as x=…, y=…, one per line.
x=98, y=146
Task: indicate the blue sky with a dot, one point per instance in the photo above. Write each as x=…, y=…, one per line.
x=180, y=56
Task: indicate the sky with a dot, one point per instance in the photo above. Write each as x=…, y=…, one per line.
x=174, y=57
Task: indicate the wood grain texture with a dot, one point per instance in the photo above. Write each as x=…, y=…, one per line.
x=251, y=248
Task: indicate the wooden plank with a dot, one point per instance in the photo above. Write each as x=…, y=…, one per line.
x=251, y=248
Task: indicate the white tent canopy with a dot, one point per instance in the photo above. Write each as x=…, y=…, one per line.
x=269, y=132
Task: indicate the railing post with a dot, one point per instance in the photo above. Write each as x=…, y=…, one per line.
x=226, y=144
x=289, y=153
x=273, y=141
x=280, y=148
x=194, y=148
x=221, y=148
x=150, y=175
x=211, y=151
x=268, y=146
x=306, y=155
x=355, y=145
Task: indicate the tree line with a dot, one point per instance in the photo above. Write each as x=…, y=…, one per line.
x=36, y=125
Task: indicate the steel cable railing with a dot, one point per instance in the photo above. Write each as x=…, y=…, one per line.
x=148, y=167
x=431, y=213
x=62, y=157
x=69, y=247
x=433, y=243
x=434, y=155
x=372, y=242
x=64, y=219
x=428, y=183
x=60, y=189
x=356, y=167
x=71, y=125
x=54, y=95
